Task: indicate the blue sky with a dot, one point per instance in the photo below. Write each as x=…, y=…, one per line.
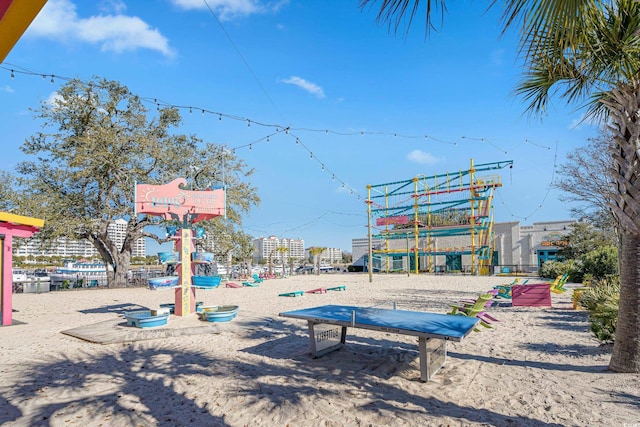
x=368, y=107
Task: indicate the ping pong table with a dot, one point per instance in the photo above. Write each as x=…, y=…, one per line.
x=328, y=329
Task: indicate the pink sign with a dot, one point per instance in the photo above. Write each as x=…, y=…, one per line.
x=392, y=220
x=163, y=200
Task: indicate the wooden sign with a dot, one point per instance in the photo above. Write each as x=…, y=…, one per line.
x=163, y=200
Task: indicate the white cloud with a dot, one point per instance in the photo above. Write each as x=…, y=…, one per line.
x=419, y=156
x=497, y=57
x=306, y=85
x=116, y=6
x=230, y=9
x=118, y=33
x=7, y=89
x=580, y=122
x=54, y=99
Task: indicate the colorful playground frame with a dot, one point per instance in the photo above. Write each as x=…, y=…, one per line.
x=443, y=205
x=171, y=201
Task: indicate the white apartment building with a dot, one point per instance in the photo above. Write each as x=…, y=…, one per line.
x=65, y=247
x=329, y=255
x=263, y=247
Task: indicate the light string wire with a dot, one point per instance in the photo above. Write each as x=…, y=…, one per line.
x=279, y=129
x=544, y=198
x=14, y=69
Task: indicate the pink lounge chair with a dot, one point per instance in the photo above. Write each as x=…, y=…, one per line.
x=232, y=285
x=317, y=291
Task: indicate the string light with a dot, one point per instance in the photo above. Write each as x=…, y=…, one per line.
x=277, y=127
x=13, y=76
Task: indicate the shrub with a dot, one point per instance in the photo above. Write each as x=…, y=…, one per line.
x=601, y=300
x=553, y=269
x=601, y=262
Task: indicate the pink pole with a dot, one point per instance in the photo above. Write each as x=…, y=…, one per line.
x=7, y=280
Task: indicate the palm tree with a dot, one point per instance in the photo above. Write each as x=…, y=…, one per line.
x=315, y=252
x=583, y=51
x=282, y=250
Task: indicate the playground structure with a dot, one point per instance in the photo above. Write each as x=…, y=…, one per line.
x=173, y=202
x=424, y=220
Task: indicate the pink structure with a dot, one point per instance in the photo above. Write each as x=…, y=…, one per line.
x=171, y=201
x=12, y=226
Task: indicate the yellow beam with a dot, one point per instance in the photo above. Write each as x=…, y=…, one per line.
x=21, y=220
x=16, y=19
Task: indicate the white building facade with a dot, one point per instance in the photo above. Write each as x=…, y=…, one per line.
x=263, y=247
x=329, y=255
x=68, y=248
x=515, y=248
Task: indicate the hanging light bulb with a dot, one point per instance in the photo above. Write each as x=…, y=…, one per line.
x=12, y=75
x=333, y=177
x=323, y=167
x=297, y=141
x=248, y=123
x=190, y=110
x=52, y=79
x=311, y=155
x=250, y=146
x=219, y=117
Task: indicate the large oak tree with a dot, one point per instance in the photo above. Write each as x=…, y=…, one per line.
x=97, y=141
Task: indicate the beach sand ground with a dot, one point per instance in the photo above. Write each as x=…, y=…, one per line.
x=535, y=367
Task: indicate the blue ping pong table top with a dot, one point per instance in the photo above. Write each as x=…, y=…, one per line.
x=443, y=325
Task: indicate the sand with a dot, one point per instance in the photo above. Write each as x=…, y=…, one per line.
x=535, y=367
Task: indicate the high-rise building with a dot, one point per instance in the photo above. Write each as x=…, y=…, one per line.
x=263, y=247
x=65, y=247
x=329, y=255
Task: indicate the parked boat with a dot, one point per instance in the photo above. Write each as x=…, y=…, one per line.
x=76, y=270
x=19, y=275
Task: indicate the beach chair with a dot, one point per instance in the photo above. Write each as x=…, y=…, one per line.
x=257, y=279
x=317, y=291
x=337, y=288
x=557, y=286
x=250, y=284
x=476, y=310
x=232, y=285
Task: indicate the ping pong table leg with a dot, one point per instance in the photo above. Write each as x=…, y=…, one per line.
x=422, y=345
x=326, y=339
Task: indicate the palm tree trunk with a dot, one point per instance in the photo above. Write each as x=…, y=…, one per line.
x=626, y=348
x=623, y=105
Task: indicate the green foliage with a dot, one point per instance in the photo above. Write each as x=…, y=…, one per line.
x=583, y=239
x=97, y=141
x=601, y=262
x=553, y=269
x=601, y=300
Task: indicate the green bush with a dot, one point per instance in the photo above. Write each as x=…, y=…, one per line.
x=601, y=300
x=553, y=269
x=601, y=262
